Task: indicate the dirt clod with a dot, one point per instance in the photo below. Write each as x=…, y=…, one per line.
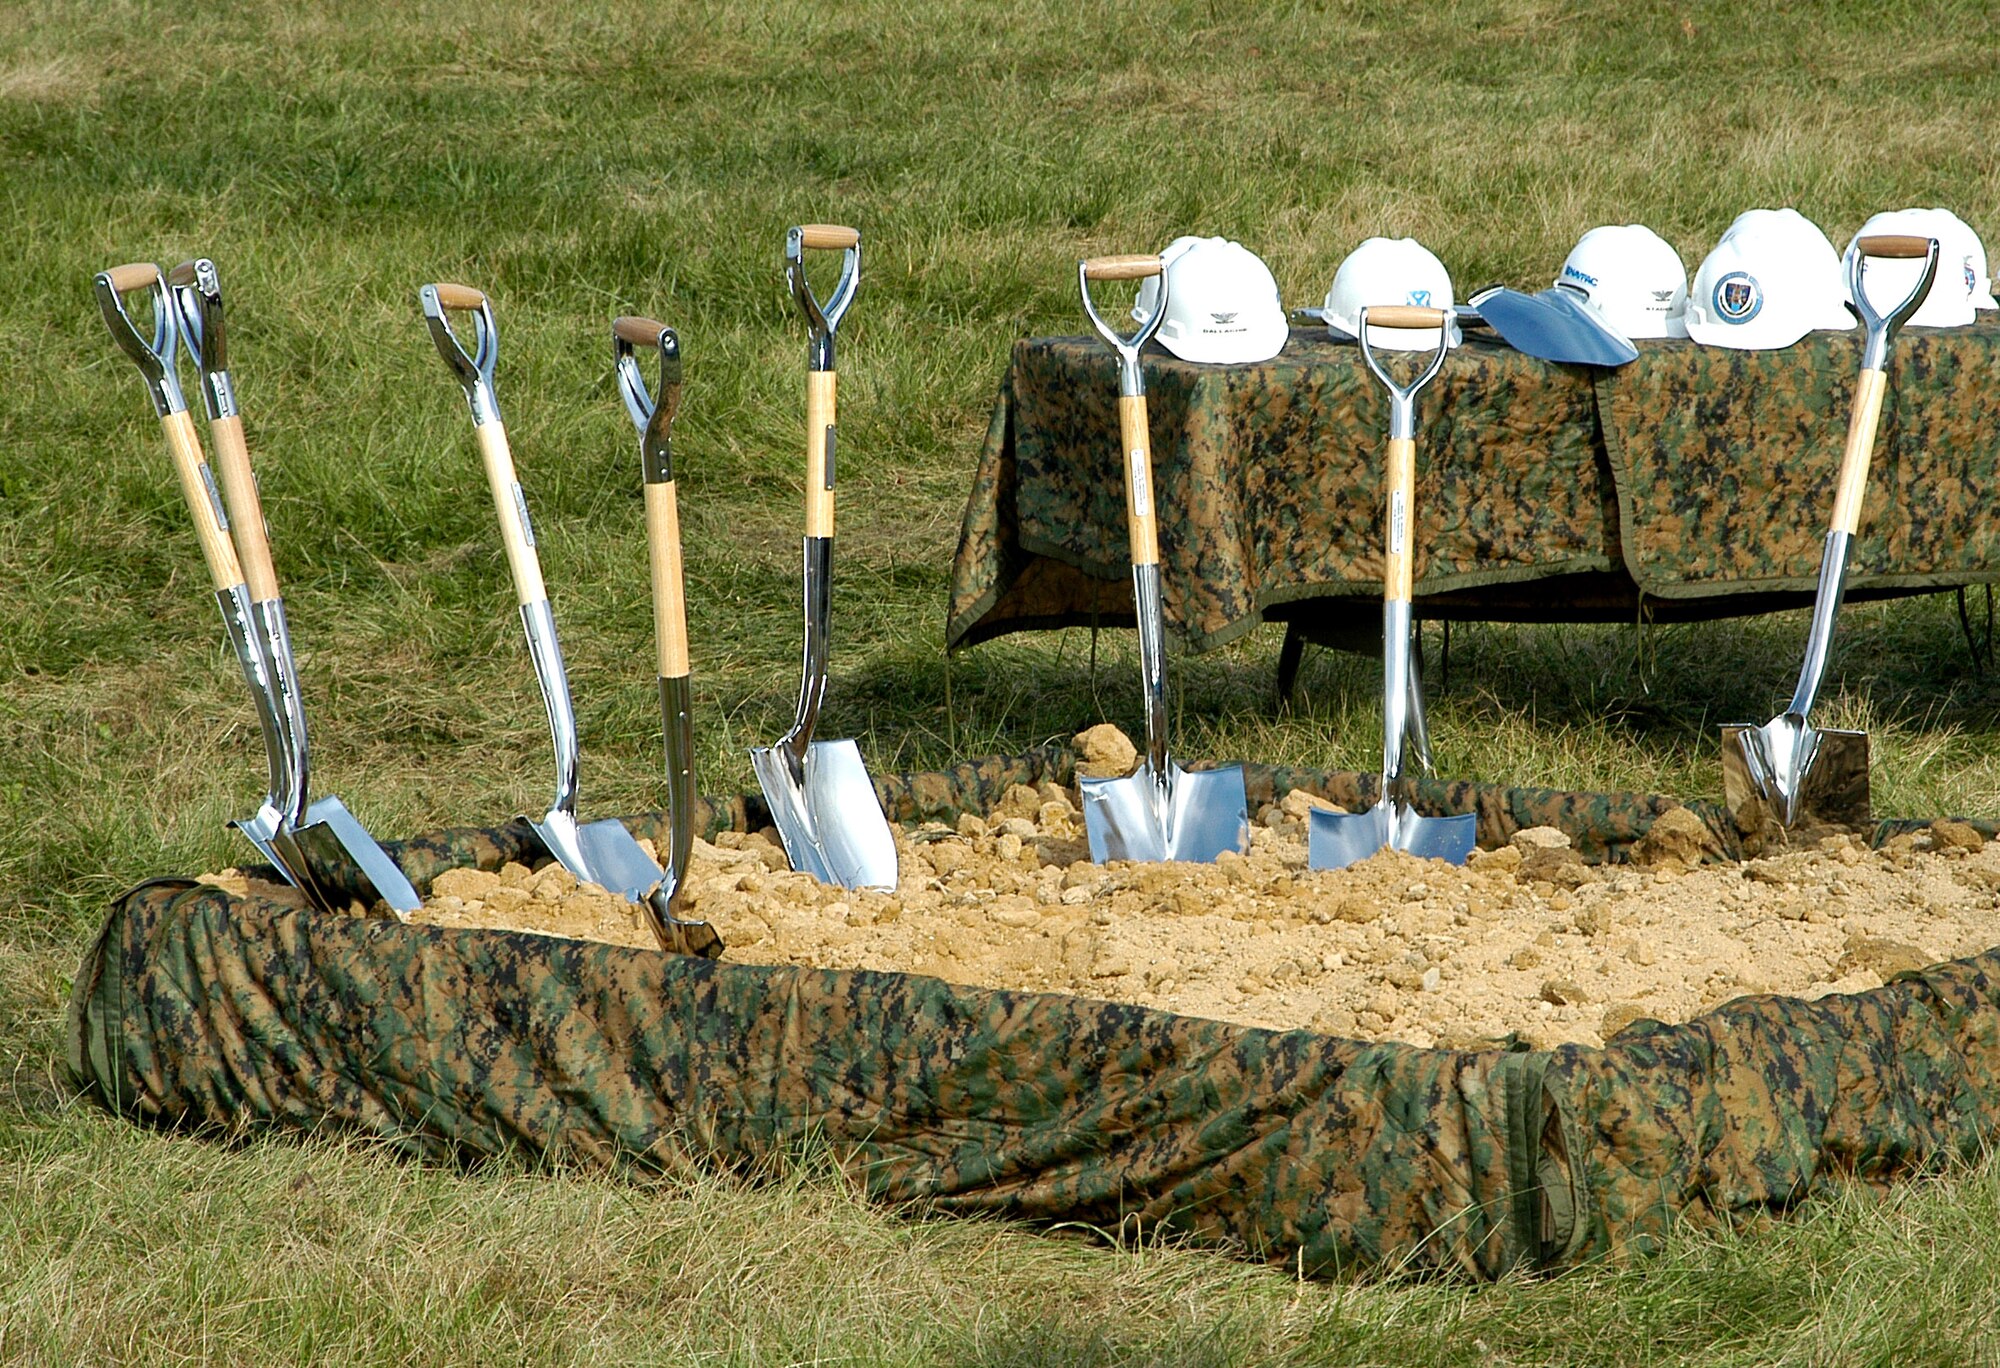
x=1104, y=752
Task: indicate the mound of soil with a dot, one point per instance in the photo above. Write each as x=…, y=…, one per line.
x=1526, y=940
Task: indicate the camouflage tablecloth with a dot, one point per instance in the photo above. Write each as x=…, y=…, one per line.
x=1692, y=474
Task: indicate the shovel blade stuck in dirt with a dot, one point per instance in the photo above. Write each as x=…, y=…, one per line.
x=1172, y=814
x=1776, y=769
x=1795, y=775
x=1339, y=839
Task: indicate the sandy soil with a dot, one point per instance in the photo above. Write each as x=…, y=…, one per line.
x=1526, y=939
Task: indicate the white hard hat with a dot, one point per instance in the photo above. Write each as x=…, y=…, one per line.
x=1960, y=283
x=1788, y=231
x=1632, y=278
x=1390, y=271
x=1222, y=302
x=1972, y=258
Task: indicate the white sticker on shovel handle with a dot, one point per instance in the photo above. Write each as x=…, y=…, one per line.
x=1142, y=497
x=1399, y=523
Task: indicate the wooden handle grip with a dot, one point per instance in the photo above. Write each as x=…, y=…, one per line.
x=819, y=443
x=1854, y=459
x=827, y=236
x=135, y=276
x=246, y=509
x=1122, y=267
x=458, y=296
x=223, y=570
x=1398, y=553
x=1142, y=524
x=663, y=543
x=1405, y=316
x=522, y=562
x=640, y=332
x=1893, y=245
x=182, y=274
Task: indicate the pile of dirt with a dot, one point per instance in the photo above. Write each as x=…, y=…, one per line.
x=1526, y=940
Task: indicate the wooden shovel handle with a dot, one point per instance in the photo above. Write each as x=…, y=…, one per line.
x=1135, y=267
x=663, y=543
x=246, y=508
x=522, y=562
x=223, y=570
x=1852, y=490
x=1405, y=316
x=136, y=275
x=1398, y=557
x=819, y=441
x=1142, y=523
x=639, y=332
x=451, y=296
x=827, y=237
x=1894, y=245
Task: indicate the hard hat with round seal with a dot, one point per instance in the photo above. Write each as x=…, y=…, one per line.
x=1389, y=271
x=1951, y=301
x=1631, y=277
x=1815, y=260
x=1757, y=291
x=1222, y=303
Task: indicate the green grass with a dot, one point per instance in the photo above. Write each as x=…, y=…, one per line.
x=585, y=159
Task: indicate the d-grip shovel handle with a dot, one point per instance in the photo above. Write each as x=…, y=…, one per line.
x=822, y=320
x=197, y=295
x=475, y=373
x=1398, y=563
x=1135, y=440
x=1872, y=382
x=654, y=419
x=155, y=361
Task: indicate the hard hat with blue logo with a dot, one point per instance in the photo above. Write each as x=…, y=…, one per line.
x=1389, y=271
x=1771, y=280
x=1960, y=286
x=1632, y=278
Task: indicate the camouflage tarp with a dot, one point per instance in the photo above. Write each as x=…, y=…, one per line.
x=201, y=1010
x=1694, y=473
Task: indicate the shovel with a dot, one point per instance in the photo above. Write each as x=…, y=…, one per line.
x=1338, y=839
x=324, y=829
x=601, y=852
x=655, y=421
x=819, y=793
x=1787, y=765
x=1161, y=811
x=266, y=829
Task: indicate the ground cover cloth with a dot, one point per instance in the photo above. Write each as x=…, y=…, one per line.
x=1696, y=472
x=196, y=1008
x=201, y=1010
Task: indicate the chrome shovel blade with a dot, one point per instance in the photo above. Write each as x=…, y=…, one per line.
x=1795, y=771
x=601, y=852
x=262, y=832
x=829, y=819
x=1194, y=816
x=1339, y=839
x=1555, y=325
x=332, y=836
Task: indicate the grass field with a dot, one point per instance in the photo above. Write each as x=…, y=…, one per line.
x=584, y=159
